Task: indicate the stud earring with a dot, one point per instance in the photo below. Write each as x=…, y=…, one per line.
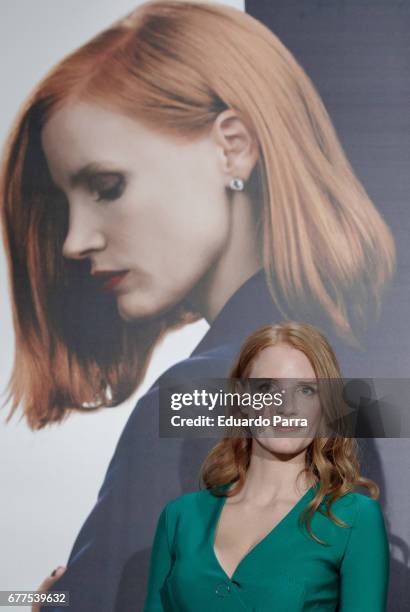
x=236, y=184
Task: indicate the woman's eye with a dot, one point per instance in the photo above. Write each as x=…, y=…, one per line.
x=107, y=185
x=263, y=388
x=307, y=390
x=267, y=387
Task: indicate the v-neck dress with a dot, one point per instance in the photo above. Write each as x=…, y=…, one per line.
x=285, y=571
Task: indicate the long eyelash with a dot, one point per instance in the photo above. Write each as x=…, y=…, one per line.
x=110, y=194
x=102, y=195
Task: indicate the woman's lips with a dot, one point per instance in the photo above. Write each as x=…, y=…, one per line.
x=276, y=428
x=110, y=280
x=282, y=428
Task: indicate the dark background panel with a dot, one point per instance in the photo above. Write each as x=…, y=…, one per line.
x=357, y=54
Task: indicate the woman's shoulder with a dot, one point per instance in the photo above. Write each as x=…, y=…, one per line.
x=357, y=499
x=357, y=507
x=191, y=505
x=191, y=499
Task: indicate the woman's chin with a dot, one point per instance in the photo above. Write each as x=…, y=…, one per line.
x=132, y=308
x=283, y=446
x=135, y=306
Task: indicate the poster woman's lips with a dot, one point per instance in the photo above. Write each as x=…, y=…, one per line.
x=110, y=279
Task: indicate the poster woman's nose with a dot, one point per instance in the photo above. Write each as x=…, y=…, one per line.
x=82, y=239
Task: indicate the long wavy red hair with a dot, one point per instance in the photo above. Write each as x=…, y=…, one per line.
x=331, y=463
x=175, y=66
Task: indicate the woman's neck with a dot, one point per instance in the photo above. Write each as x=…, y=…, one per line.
x=238, y=261
x=272, y=476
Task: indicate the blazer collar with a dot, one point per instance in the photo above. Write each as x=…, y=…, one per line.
x=250, y=307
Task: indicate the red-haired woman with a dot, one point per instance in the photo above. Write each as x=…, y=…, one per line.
x=279, y=525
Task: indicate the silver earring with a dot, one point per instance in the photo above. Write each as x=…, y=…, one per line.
x=236, y=184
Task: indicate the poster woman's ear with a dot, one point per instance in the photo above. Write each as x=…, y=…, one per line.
x=238, y=146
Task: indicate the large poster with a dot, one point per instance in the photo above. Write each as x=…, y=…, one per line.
x=196, y=194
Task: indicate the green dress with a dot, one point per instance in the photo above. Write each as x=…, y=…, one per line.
x=285, y=571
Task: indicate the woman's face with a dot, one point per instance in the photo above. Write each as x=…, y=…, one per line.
x=291, y=374
x=148, y=209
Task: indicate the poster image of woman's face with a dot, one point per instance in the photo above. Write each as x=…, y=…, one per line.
x=292, y=375
x=151, y=212
x=135, y=138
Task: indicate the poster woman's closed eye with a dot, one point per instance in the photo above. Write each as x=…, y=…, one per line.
x=123, y=219
x=238, y=544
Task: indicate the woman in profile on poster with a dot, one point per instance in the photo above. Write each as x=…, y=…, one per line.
x=179, y=165
x=279, y=524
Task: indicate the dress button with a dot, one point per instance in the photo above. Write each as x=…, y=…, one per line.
x=223, y=589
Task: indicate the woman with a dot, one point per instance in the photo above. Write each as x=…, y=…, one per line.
x=179, y=165
x=245, y=549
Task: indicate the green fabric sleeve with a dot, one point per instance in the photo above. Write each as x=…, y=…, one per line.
x=160, y=565
x=364, y=572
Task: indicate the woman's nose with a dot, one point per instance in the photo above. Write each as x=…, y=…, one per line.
x=288, y=407
x=83, y=237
